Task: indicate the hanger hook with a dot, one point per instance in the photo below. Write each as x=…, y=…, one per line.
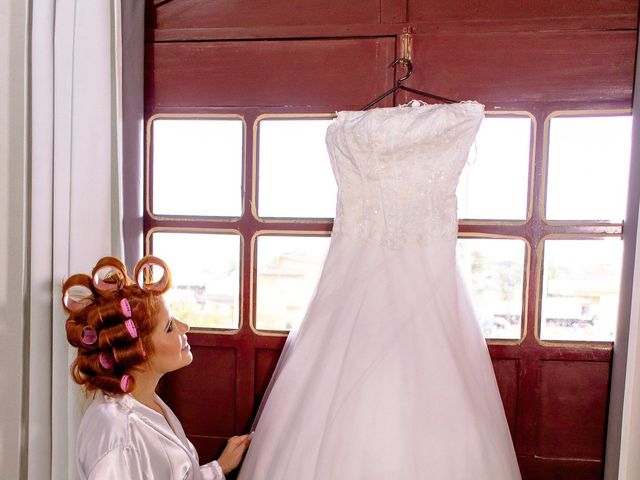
x=407, y=64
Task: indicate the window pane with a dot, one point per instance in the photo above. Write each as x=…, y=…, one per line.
x=295, y=176
x=197, y=167
x=205, y=270
x=288, y=271
x=581, y=284
x=493, y=184
x=493, y=271
x=588, y=168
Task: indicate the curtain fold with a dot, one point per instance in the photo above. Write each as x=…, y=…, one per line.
x=76, y=201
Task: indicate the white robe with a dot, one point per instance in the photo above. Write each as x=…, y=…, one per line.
x=120, y=438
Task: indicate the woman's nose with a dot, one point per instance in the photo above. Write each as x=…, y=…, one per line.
x=184, y=328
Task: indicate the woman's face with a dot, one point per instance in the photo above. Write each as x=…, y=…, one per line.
x=171, y=349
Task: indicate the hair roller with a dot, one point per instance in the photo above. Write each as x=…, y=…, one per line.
x=74, y=332
x=109, y=276
x=146, y=275
x=106, y=360
x=110, y=383
x=115, y=335
x=77, y=293
x=88, y=336
x=126, y=383
x=90, y=364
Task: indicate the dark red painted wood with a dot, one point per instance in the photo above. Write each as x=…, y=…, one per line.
x=282, y=71
x=207, y=392
x=393, y=11
x=266, y=360
x=201, y=20
x=327, y=72
x=421, y=10
x=507, y=374
x=538, y=56
x=571, y=409
x=259, y=13
x=172, y=14
x=506, y=67
x=546, y=469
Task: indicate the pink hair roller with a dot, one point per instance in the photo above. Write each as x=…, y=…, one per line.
x=105, y=361
x=125, y=307
x=88, y=336
x=125, y=383
x=131, y=328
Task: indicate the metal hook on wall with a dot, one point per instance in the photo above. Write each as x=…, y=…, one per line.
x=406, y=47
x=407, y=64
x=406, y=51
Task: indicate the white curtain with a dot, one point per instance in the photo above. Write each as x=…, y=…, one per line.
x=76, y=201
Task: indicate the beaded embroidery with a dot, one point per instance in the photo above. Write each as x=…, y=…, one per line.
x=397, y=170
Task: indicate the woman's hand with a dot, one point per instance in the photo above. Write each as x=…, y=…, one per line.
x=233, y=452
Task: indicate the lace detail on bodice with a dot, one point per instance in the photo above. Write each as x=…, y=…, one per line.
x=397, y=170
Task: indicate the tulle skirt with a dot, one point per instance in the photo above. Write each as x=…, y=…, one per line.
x=388, y=377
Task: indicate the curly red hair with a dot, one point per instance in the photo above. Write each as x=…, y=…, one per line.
x=108, y=350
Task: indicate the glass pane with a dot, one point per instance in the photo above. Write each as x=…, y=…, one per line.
x=588, y=168
x=205, y=270
x=288, y=271
x=294, y=173
x=197, y=167
x=493, y=183
x=493, y=270
x=580, y=288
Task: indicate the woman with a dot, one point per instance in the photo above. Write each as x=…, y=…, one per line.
x=127, y=340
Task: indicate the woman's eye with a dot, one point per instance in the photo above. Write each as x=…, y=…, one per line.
x=170, y=327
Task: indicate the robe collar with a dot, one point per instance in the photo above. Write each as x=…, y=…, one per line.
x=167, y=425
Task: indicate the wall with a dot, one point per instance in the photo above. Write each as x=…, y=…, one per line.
x=630, y=425
x=629, y=458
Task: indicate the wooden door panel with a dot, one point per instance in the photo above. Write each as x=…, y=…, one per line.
x=266, y=360
x=204, y=14
x=478, y=10
x=306, y=72
x=209, y=448
x=210, y=385
x=549, y=469
x=176, y=14
x=571, y=415
x=507, y=372
x=582, y=67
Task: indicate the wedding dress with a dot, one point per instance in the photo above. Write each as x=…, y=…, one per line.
x=389, y=376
